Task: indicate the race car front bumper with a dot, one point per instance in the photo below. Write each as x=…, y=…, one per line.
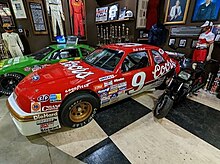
x=29, y=123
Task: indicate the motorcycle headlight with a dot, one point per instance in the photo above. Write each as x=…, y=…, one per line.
x=184, y=75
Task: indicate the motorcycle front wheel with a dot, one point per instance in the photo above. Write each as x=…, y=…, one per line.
x=163, y=106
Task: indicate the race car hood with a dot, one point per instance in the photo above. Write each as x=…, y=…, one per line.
x=24, y=60
x=60, y=78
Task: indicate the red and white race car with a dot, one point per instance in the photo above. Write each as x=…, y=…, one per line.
x=69, y=93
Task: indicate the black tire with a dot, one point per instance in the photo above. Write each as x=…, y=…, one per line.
x=70, y=115
x=9, y=81
x=163, y=106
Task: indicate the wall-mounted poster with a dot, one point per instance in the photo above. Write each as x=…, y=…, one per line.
x=142, y=13
x=56, y=18
x=176, y=11
x=5, y=14
x=206, y=10
x=18, y=8
x=101, y=14
x=37, y=16
x=78, y=18
x=113, y=12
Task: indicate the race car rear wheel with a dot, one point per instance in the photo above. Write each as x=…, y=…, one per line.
x=8, y=82
x=78, y=110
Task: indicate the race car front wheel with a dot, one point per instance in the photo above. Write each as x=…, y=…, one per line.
x=8, y=82
x=78, y=109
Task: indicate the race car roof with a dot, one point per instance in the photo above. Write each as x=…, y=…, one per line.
x=129, y=46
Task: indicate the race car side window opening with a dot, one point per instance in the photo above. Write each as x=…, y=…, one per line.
x=39, y=55
x=84, y=52
x=105, y=59
x=135, y=61
x=67, y=53
x=158, y=59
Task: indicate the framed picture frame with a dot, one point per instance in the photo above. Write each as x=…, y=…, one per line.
x=78, y=19
x=194, y=43
x=101, y=14
x=182, y=43
x=217, y=38
x=18, y=8
x=122, y=13
x=176, y=11
x=113, y=12
x=141, y=14
x=56, y=19
x=172, y=41
x=206, y=10
x=5, y=14
x=37, y=15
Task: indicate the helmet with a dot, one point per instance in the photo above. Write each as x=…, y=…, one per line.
x=128, y=14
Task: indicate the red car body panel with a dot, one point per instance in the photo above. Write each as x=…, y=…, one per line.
x=53, y=84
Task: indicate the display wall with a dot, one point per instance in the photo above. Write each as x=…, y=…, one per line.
x=188, y=49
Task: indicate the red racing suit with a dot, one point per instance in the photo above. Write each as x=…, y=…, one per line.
x=77, y=10
x=201, y=51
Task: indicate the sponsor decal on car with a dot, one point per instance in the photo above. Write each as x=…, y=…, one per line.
x=35, y=107
x=139, y=49
x=98, y=87
x=76, y=88
x=119, y=80
x=45, y=115
x=50, y=108
x=27, y=69
x=106, y=78
x=105, y=94
x=160, y=70
x=113, y=89
x=78, y=70
x=43, y=98
x=105, y=100
x=103, y=90
x=55, y=98
x=109, y=83
x=47, y=120
x=46, y=127
x=35, y=77
x=161, y=51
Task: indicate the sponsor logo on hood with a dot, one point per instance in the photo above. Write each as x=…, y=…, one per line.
x=78, y=70
x=35, y=77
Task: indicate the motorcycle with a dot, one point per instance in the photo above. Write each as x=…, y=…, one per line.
x=190, y=79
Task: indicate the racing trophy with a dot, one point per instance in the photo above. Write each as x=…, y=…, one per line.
x=102, y=34
x=119, y=34
x=107, y=36
x=110, y=34
x=98, y=34
x=127, y=36
x=123, y=32
x=113, y=34
x=116, y=33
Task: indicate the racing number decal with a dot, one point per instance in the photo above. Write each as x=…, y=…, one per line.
x=138, y=81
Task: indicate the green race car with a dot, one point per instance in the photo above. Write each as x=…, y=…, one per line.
x=13, y=70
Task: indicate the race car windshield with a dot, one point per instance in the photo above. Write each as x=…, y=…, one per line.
x=104, y=58
x=39, y=55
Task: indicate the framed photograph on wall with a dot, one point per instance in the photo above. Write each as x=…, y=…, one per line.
x=113, y=12
x=176, y=11
x=194, y=43
x=141, y=13
x=5, y=14
x=18, y=8
x=56, y=19
x=182, y=43
x=172, y=41
x=78, y=18
x=206, y=10
x=101, y=14
x=38, y=20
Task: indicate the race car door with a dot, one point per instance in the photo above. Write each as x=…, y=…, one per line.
x=137, y=71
